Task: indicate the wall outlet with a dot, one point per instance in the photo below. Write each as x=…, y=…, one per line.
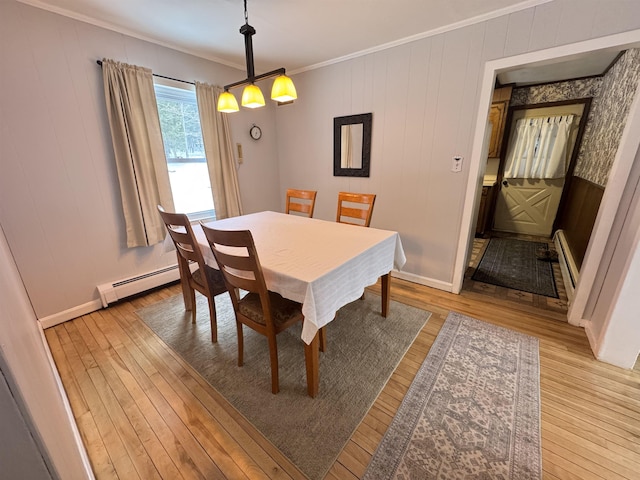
x=456, y=165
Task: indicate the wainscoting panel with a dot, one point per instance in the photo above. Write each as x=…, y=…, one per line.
x=579, y=215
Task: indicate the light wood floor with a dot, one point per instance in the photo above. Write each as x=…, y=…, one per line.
x=143, y=413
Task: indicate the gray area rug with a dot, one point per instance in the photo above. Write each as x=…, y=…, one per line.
x=363, y=351
x=513, y=263
x=472, y=412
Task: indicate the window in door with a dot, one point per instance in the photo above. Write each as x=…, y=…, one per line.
x=184, y=151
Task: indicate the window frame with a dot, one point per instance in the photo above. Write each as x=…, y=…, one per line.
x=178, y=91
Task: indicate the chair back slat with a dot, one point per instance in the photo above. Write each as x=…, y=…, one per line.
x=236, y=255
x=301, y=201
x=181, y=232
x=357, y=206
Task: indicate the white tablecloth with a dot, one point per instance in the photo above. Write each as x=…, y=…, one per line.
x=323, y=265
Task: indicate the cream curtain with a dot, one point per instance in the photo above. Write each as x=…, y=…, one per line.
x=138, y=149
x=540, y=148
x=219, y=152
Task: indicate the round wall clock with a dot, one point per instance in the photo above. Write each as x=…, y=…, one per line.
x=255, y=132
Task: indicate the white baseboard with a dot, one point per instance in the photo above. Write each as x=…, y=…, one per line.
x=593, y=342
x=615, y=357
x=429, y=282
x=70, y=314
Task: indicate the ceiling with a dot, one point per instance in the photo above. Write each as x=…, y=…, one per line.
x=576, y=66
x=302, y=34
x=294, y=34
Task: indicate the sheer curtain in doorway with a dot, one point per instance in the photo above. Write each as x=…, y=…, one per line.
x=539, y=149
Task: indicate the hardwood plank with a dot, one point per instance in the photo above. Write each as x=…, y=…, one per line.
x=592, y=428
x=114, y=445
x=557, y=464
x=117, y=372
x=354, y=459
x=163, y=446
x=340, y=472
x=100, y=461
x=197, y=455
x=207, y=430
x=74, y=394
x=366, y=438
x=606, y=460
x=191, y=384
x=126, y=430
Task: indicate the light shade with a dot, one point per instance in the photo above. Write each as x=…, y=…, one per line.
x=283, y=89
x=227, y=103
x=252, y=97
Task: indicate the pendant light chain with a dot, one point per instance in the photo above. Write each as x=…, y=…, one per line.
x=246, y=13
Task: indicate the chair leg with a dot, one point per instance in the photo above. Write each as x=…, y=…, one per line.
x=213, y=318
x=273, y=354
x=240, y=344
x=186, y=288
x=193, y=305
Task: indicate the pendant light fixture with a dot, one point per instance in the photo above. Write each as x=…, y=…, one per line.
x=282, y=91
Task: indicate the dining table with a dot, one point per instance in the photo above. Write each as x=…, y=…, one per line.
x=323, y=265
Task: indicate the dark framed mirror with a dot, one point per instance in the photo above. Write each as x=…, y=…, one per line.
x=352, y=145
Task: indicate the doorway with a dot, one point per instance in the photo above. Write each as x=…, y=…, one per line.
x=624, y=157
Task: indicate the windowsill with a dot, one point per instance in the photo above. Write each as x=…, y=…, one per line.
x=203, y=216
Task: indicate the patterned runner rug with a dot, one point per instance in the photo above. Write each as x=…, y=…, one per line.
x=512, y=263
x=472, y=412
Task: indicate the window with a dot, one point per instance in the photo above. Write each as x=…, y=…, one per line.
x=184, y=150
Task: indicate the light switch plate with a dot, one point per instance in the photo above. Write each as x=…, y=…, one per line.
x=456, y=165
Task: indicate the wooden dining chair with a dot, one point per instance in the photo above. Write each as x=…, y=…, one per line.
x=355, y=208
x=205, y=279
x=301, y=201
x=266, y=312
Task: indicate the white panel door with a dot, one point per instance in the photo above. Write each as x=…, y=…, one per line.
x=528, y=206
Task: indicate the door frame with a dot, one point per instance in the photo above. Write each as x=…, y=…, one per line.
x=623, y=161
x=586, y=102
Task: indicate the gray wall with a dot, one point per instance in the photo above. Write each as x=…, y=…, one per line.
x=424, y=99
x=59, y=196
x=59, y=199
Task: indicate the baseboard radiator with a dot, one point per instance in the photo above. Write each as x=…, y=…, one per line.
x=112, y=292
x=568, y=266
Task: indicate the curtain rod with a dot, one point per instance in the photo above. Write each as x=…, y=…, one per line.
x=99, y=62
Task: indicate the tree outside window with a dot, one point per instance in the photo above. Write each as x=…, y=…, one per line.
x=184, y=150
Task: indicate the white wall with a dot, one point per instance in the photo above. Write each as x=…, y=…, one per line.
x=424, y=97
x=26, y=362
x=59, y=196
x=613, y=329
